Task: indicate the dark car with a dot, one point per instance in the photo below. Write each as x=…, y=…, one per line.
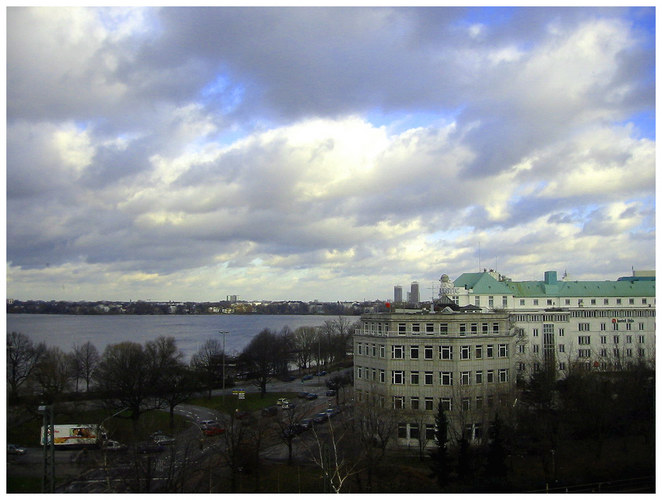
x=287, y=378
x=12, y=449
x=321, y=374
x=331, y=392
x=270, y=411
x=306, y=423
x=212, y=429
x=302, y=395
x=311, y=396
x=320, y=418
x=307, y=377
x=111, y=445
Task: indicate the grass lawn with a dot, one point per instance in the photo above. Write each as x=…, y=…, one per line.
x=252, y=401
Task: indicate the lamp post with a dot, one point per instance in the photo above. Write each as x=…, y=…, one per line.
x=48, y=478
x=224, y=333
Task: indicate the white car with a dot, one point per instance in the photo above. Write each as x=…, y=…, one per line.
x=282, y=402
x=162, y=439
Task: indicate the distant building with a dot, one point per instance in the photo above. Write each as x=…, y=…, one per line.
x=415, y=296
x=397, y=293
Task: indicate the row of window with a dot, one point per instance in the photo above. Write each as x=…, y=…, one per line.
x=615, y=352
x=565, y=317
x=444, y=352
x=485, y=328
x=586, y=339
x=428, y=403
x=615, y=325
x=581, y=301
x=472, y=432
x=402, y=377
x=604, y=365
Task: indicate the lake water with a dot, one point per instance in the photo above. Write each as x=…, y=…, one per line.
x=190, y=331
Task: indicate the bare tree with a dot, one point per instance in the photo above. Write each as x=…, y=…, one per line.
x=53, y=371
x=86, y=359
x=22, y=358
x=207, y=363
x=337, y=455
x=305, y=344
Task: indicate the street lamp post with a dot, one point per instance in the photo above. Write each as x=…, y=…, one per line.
x=224, y=334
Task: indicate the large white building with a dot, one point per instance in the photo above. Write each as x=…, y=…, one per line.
x=484, y=333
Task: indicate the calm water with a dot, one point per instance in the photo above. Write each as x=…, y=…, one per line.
x=190, y=332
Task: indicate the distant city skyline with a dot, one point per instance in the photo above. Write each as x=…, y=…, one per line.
x=190, y=154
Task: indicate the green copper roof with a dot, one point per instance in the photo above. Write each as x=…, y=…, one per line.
x=484, y=283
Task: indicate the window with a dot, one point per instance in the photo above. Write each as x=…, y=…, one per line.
x=428, y=378
x=535, y=332
x=397, y=377
x=429, y=432
x=446, y=378
x=465, y=378
x=521, y=349
x=382, y=376
x=402, y=431
x=429, y=328
x=561, y=347
x=561, y=366
x=477, y=301
x=615, y=325
x=584, y=353
x=428, y=352
x=479, y=351
x=359, y=372
x=447, y=404
x=490, y=376
x=584, y=340
x=414, y=403
x=413, y=378
x=479, y=402
x=628, y=339
x=374, y=351
x=402, y=328
x=628, y=326
x=413, y=352
x=628, y=353
x=479, y=376
x=465, y=352
x=374, y=374
x=474, y=328
x=535, y=302
x=490, y=351
x=641, y=339
x=644, y=301
x=398, y=402
x=382, y=351
x=603, y=339
x=416, y=328
x=503, y=350
x=536, y=348
x=618, y=301
x=641, y=326
x=443, y=328
x=466, y=404
x=641, y=352
x=631, y=301
x=603, y=327
x=463, y=328
x=561, y=332
x=522, y=302
x=446, y=351
x=603, y=352
x=567, y=302
x=485, y=328
x=413, y=431
x=504, y=301
x=429, y=404
x=397, y=351
x=360, y=348
x=616, y=339
x=606, y=302
x=549, y=302
x=584, y=327
x=495, y=328
x=490, y=301
x=503, y=375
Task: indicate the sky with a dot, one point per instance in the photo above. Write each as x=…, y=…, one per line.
x=313, y=153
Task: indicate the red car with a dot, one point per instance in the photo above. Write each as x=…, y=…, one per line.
x=213, y=430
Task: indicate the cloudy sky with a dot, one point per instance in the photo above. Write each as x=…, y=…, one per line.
x=315, y=153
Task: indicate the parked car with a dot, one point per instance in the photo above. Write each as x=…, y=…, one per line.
x=320, y=374
x=282, y=401
x=311, y=396
x=331, y=392
x=306, y=423
x=270, y=411
x=211, y=428
x=111, y=445
x=289, y=406
x=12, y=449
x=332, y=412
x=302, y=395
x=320, y=417
x=164, y=440
x=287, y=378
x=307, y=377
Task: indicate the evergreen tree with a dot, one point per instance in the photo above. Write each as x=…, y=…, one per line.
x=439, y=455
